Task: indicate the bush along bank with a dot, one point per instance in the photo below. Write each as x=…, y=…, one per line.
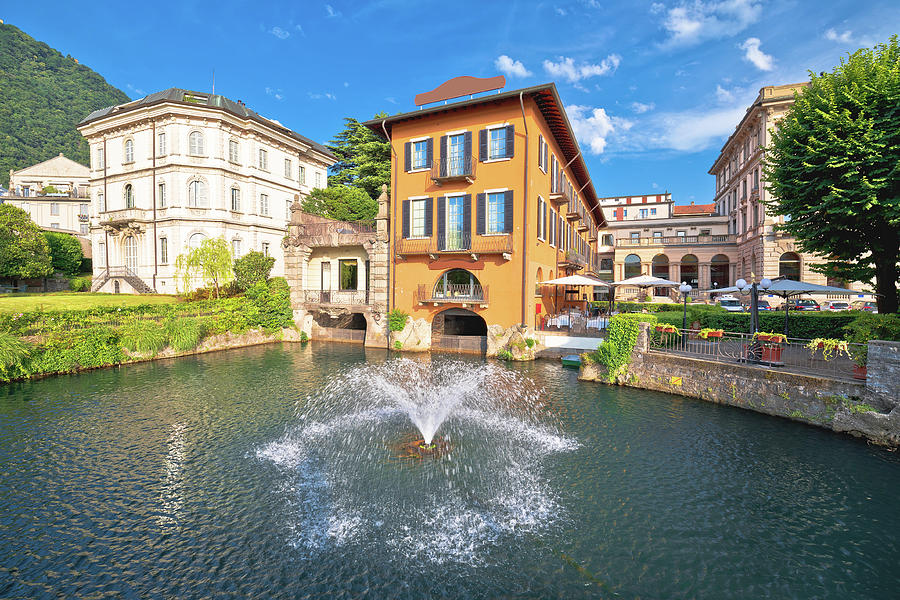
x=40, y=343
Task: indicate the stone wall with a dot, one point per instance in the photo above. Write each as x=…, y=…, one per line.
x=883, y=372
x=839, y=405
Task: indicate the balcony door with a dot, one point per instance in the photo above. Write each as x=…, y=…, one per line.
x=131, y=252
x=456, y=155
x=455, y=223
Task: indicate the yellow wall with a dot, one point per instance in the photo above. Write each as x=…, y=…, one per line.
x=503, y=278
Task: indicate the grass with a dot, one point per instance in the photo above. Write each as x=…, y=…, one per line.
x=77, y=301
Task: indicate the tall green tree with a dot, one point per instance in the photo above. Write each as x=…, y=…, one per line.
x=65, y=252
x=341, y=202
x=211, y=261
x=834, y=170
x=23, y=249
x=364, y=159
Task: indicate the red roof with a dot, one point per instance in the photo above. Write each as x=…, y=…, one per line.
x=694, y=209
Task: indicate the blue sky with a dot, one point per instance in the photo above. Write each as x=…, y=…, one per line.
x=653, y=88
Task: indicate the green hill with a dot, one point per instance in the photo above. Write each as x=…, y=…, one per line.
x=43, y=95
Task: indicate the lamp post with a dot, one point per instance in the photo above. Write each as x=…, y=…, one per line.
x=685, y=289
x=753, y=288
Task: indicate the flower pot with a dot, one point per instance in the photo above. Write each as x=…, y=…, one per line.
x=859, y=372
x=771, y=354
x=769, y=338
x=714, y=334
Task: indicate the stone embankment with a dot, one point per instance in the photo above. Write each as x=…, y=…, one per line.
x=869, y=409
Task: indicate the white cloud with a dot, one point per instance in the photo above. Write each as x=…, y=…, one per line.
x=136, y=90
x=654, y=185
x=753, y=54
x=322, y=96
x=834, y=36
x=568, y=70
x=691, y=22
x=561, y=11
x=722, y=95
x=281, y=34
x=391, y=99
x=510, y=67
x=299, y=28
x=275, y=93
x=331, y=13
x=641, y=108
x=346, y=84
x=692, y=131
x=593, y=126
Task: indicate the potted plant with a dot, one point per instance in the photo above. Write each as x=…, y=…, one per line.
x=710, y=334
x=764, y=336
x=771, y=347
x=830, y=347
x=666, y=328
x=860, y=356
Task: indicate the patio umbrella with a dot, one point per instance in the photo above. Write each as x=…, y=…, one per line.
x=786, y=288
x=646, y=281
x=575, y=280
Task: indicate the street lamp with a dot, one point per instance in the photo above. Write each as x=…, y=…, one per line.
x=753, y=288
x=685, y=289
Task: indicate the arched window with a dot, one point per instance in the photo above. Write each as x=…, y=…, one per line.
x=129, y=196
x=458, y=284
x=538, y=278
x=197, y=197
x=789, y=266
x=659, y=267
x=690, y=270
x=195, y=240
x=632, y=266
x=195, y=143
x=129, y=151
x=718, y=271
x=130, y=247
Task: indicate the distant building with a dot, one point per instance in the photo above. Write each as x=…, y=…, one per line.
x=177, y=167
x=650, y=235
x=741, y=194
x=54, y=193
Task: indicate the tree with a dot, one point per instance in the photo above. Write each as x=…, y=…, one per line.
x=834, y=170
x=23, y=249
x=65, y=252
x=253, y=267
x=364, y=159
x=211, y=261
x=341, y=202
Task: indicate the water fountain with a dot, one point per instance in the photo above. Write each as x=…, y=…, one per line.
x=348, y=475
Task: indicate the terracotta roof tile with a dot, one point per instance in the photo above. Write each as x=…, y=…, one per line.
x=694, y=209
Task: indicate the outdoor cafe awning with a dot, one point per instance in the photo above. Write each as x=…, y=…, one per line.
x=645, y=281
x=575, y=280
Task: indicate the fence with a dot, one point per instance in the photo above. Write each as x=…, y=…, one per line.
x=792, y=354
x=338, y=297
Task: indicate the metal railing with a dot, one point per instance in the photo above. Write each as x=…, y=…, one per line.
x=573, y=324
x=464, y=242
x=457, y=293
x=792, y=354
x=338, y=227
x=678, y=240
x=336, y=297
x=453, y=167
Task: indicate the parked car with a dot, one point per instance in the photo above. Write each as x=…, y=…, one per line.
x=730, y=303
x=803, y=304
x=865, y=305
x=763, y=305
x=836, y=305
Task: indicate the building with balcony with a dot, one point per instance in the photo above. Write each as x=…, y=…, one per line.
x=176, y=167
x=491, y=195
x=741, y=194
x=54, y=193
x=650, y=235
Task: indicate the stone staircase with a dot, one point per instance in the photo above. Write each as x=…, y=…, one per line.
x=122, y=273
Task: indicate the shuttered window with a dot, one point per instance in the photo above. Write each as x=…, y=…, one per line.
x=496, y=143
x=495, y=213
x=541, y=220
x=197, y=196
x=542, y=153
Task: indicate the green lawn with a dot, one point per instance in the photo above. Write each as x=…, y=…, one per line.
x=76, y=301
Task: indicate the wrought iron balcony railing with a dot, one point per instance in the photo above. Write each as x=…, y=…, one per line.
x=337, y=297
x=453, y=168
x=459, y=243
x=453, y=293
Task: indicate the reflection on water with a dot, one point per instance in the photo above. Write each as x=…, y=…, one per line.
x=272, y=472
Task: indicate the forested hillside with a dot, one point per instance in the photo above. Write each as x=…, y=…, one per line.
x=43, y=95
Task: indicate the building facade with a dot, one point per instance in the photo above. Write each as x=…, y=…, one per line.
x=650, y=235
x=177, y=167
x=490, y=197
x=741, y=194
x=54, y=193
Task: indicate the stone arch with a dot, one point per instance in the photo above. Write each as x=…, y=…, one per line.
x=632, y=266
x=790, y=266
x=690, y=270
x=458, y=322
x=719, y=268
x=458, y=283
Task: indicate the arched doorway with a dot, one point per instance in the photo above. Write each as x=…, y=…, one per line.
x=718, y=271
x=690, y=270
x=659, y=267
x=459, y=329
x=789, y=266
x=632, y=266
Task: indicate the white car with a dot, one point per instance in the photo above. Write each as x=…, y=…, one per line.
x=836, y=305
x=730, y=303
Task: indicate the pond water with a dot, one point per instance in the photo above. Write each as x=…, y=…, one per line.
x=284, y=472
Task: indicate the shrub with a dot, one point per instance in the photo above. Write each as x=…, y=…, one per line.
x=269, y=309
x=14, y=355
x=279, y=284
x=504, y=354
x=397, y=320
x=185, y=333
x=303, y=337
x=253, y=267
x=398, y=345
x=80, y=284
x=144, y=336
x=530, y=342
x=65, y=252
x=615, y=352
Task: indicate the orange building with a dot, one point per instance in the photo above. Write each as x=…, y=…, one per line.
x=490, y=196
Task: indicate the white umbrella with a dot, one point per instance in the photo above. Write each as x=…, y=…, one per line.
x=645, y=281
x=575, y=280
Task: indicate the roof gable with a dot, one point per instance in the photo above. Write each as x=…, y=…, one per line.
x=58, y=166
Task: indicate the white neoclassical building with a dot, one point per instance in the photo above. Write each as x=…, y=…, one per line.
x=176, y=167
x=54, y=193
